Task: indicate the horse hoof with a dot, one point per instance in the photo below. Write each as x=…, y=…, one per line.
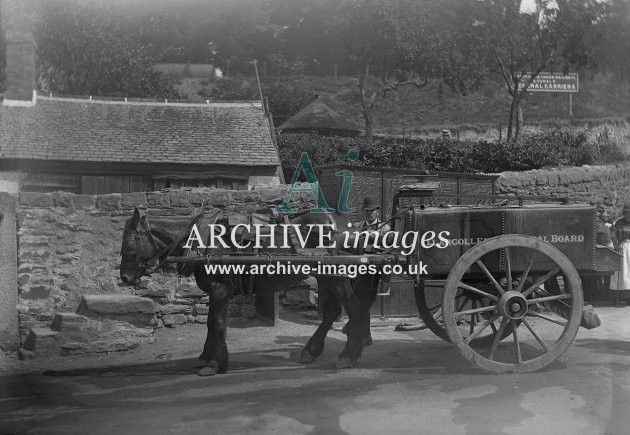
x=201, y=363
x=207, y=371
x=344, y=363
x=211, y=369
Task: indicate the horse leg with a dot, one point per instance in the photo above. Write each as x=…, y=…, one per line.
x=215, y=353
x=342, y=288
x=365, y=287
x=331, y=311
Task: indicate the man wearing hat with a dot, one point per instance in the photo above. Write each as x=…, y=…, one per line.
x=372, y=221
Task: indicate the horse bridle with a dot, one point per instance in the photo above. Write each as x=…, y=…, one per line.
x=143, y=230
x=163, y=250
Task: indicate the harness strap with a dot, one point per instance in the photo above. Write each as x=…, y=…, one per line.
x=168, y=249
x=295, y=244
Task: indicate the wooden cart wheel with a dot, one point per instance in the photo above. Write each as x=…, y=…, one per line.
x=432, y=315
x=537, y=293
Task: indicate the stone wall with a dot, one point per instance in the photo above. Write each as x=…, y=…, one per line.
x=607, y=185
x=69, y=246
x=9, y=339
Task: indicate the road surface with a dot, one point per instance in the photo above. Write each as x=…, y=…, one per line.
x=405, y=383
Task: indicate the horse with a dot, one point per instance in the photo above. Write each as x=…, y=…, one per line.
x=144, y=242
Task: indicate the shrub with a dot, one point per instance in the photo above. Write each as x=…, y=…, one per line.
x=234, y=88
x=555, y=148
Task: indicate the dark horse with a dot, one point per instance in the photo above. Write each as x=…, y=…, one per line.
x=144, y=242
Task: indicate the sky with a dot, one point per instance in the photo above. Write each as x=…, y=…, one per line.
x=528, y=6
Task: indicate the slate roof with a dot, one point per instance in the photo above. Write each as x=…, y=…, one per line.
x=319, y=116
x=105, y=131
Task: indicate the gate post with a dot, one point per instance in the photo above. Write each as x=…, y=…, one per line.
x=9, y=330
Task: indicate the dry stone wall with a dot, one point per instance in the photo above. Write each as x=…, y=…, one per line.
x=607, y=185
x=69, y=246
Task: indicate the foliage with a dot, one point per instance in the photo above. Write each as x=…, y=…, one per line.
x=518, y=46
x=3, y=60
x=614, y=53
x=233, y=88
x=550, y=149
x=404, y=44
x=86, y=49
x=284, y=99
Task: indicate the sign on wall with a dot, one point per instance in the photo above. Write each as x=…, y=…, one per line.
x=555, y=82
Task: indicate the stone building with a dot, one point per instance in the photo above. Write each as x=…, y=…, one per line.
x=95, y=146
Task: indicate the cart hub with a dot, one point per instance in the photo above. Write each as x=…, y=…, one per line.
x=513, y=305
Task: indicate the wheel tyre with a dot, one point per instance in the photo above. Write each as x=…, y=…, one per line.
x=572, y=283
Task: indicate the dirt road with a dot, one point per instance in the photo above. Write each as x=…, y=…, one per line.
x=406, y=383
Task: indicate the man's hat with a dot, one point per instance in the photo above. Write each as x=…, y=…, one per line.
x=370, y=203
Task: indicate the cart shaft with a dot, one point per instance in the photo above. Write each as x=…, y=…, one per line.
x=367, y=259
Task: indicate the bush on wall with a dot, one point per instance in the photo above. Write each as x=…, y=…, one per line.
x=549, y=149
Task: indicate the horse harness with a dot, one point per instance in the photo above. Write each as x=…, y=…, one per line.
x=163, y=250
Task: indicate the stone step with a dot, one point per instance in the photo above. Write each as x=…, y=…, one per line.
x=136, y=310
x=105, y=336
x=40, y=342
x=72, y=333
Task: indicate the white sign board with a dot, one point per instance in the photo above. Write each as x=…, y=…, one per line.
x=555, y=82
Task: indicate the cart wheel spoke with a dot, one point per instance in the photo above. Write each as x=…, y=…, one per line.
x=508, y=270
x=494, y=328
x=435, y=308
x=524, y=276
x=438, y=313
x=472, y=317
x=548, y=299
x=540, y=340
x=490, y=277
x=549, y=294
x=438, y=307
x=478, y=291
x=489, y=322
x=497, y=338
x=517, y=346
x=549, y=319
x=541, y=281
x=474, y=311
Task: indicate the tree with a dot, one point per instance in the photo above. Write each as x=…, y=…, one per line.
x=85, y=49
x=614, y=54
x=3, y=60
x=400, y=43
x=518, y=46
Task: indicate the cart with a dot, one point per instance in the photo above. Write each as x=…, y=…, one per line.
x=510, y=271
x=511, y=274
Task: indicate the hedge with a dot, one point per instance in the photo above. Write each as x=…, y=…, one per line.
x=549, y=149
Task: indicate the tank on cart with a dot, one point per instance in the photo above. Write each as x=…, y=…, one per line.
x=510, y=273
